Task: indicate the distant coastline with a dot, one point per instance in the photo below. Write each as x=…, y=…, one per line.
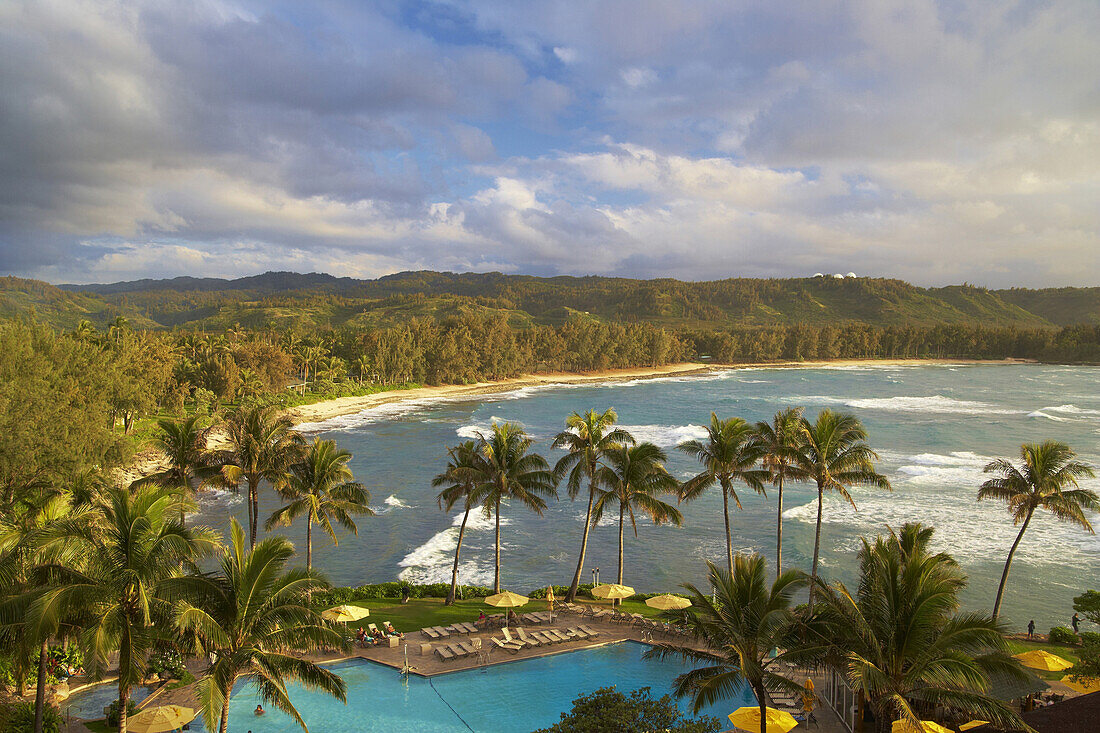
x=328, y=409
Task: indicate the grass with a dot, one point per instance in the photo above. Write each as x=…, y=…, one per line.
x=421, y=612
x=99, y=726
x=1068, y=653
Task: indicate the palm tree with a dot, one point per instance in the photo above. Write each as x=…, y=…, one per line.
x=901, y=642
x=780, y=440
x=260, y=446
x=834, y=455
x=586, y=439
x=1041, y=482
x=126, y=571
x=182, y=443
x=509, y=471
x=632, y=479
x=321, y=486
x=460, y=483
x=729, y=455
x=254, y=616
x=734, y=634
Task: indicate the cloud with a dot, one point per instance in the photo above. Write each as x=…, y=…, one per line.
x=936, y=141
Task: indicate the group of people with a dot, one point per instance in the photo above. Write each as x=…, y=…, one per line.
x=377, y=636
x=1075, y=622
x=511, y=619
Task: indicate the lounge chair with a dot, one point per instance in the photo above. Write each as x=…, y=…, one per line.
x=444, y=653
x=556, y=635
x=468, y=647
x=430, y=632
x=542, y=637
x=514, y=648
x=515, y=640
x=441, y=631
x=588, y=629
x=577, y=633
x=372, y=629
x=526, y=639
x=458, y=650
x=457, y=629
x=470, y=628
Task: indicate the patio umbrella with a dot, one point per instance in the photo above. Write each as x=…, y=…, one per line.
x=748, y=718
x=1043, y=660
x=808, y=696
x=612, y=591
x=161, y=719
x=550, y=597
x=668, y=602
x=973, y=724
x=345, y=613
x=926, y=726
x=507, y=599
x=1084, y=685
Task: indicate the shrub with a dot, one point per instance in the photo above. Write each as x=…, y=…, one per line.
x=112, y=712
x=167, y=663
x=1090, y=638
x=19, y=718
x=609, y=711
x=1062, y=635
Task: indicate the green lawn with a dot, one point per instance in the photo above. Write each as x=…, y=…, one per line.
x=1067, y=653
x=99, y=726
x=421, y=612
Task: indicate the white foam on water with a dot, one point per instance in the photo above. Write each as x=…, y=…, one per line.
x=206, y=499
x=1070, y=410
x=396, y=503
x=666, y=436
x=931, y=403
x=1040, y=413
x=433, y=561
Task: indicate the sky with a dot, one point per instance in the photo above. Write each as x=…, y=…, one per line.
x=937, y=142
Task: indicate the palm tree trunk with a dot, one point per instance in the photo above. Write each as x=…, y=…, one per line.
x=729, y=537
x=458, y=548
x=253, y=511
x=817, y=548
x=223, y=727
x=123, y=700
x=762, y=701
x=40, y=689
x=575, y=585
x=496, y=548
x=309, y=541
x=620, y=580
x=779, y=533
x=1008, y=564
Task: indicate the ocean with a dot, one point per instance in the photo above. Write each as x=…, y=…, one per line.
x=934, y=427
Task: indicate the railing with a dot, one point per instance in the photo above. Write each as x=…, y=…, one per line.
x=839, y=696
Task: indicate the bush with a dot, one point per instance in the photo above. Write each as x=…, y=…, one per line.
x=19, y=718
x=608, y=711
x=168, y=664
x=395, y=589
x=1062, y=635
x=112, y=712
x=1090, y=638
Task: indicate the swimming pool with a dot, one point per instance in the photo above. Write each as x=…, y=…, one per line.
x=88, y=704
x=506, y=698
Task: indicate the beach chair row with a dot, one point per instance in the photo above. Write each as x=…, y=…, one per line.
x=458, y=649
x=442, y=632
x=523, y=638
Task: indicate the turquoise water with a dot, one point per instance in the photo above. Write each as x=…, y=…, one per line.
x=933, y=426
x=517, y=696
x=89, y=704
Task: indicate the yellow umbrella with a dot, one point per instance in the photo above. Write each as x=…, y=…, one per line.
x=507, y=599
x=1043, y=660
x=550, y=597
x=159, y=720
x=612, y=591
x=748, y=719
x=344, y=614
x=926, y=726
x=808, y=697
x=1084, y=685
x=973, y=724
x=668, y=602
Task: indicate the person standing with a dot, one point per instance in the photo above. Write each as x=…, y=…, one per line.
x=1031, y=629
x=1076, y=621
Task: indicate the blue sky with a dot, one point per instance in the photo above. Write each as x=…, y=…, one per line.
x=933, y=141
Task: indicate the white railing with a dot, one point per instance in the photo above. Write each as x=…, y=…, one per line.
x=839, y=696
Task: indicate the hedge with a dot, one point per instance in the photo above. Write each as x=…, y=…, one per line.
x=396, y=589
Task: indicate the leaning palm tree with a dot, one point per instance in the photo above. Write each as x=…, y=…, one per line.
x=734, y=632
x=182, y=444
x=126, y=570
x=633, y=480
x=1041, y=482
x=729, y=455
x=510, y=471
x=834, y=455
x=460, y=484
x=780, y=441
x=253, y=618
x=901, y=642
x=586, y=440
x=260, y=445
x=321, y=487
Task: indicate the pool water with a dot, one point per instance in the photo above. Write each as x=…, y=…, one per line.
x=504, y=698
x=88, y=704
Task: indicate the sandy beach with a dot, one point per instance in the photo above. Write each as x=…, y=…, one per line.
x=327, y=409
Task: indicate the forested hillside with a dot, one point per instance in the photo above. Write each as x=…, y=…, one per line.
x=291, y=301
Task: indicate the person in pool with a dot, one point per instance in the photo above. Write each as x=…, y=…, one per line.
x=259, y=710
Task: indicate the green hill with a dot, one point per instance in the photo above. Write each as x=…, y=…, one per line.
x=289, y=300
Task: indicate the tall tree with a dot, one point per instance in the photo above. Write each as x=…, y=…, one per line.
x=253, y=616
x=633, y=480
x=900, y=641
x=586, y=440
x=781, y=440
x=834, y=455
x=127, y=571
x=460, y=484
x=260, y=445
x=322, y=488
x=729, y=455
x=182, y=445
x=733, y=635
x=1041, y=481
x=511, y=472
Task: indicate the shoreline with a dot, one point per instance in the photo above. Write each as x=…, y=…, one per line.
x=341, y=406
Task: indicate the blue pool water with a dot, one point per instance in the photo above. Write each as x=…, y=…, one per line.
x=505, y=698
x=88, y=704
